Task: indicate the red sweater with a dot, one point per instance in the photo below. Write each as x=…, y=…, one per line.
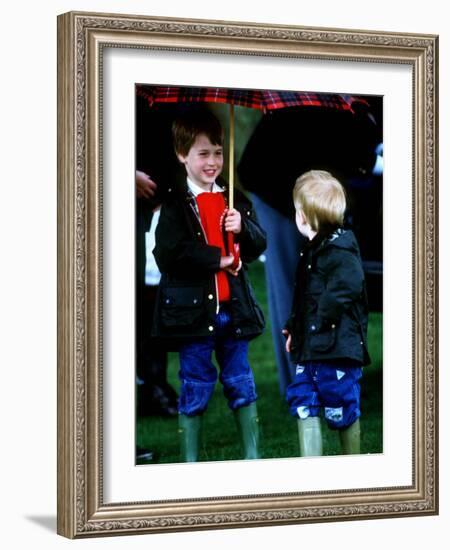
x=211, y=207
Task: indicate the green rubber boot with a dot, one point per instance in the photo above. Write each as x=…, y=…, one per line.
x=189, y=429
x=310, y=436
x=248, y=426
x=351, y=439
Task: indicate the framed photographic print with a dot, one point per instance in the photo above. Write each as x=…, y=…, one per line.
x=295, y=132
x=132, y=301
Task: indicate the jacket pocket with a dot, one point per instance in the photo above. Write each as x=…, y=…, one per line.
x=322, y=335
x=257, y=311
x=181, y=305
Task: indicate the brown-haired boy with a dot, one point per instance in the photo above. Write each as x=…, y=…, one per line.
x=204, y=304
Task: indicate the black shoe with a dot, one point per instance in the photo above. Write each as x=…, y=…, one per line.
x=144, y=455
x=170, y=393
x=158, y=409
x=169, y=412
x=156, y=402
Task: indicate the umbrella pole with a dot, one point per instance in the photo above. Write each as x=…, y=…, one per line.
x=233, y=248
x=231, y=165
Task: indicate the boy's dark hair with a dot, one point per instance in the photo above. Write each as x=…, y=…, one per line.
x=187, y=127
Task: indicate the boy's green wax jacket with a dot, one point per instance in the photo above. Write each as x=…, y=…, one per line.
x=329, y=314
x=186, y=303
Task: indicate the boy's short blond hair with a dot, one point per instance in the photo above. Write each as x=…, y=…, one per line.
x=321, y=198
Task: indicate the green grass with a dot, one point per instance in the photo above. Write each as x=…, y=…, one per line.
x=278, y=438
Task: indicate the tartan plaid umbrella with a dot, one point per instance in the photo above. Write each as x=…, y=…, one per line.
x=264, y=100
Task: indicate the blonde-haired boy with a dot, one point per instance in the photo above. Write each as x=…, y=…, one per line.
x=327, y=330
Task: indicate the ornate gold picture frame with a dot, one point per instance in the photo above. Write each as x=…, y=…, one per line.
x=83, y=510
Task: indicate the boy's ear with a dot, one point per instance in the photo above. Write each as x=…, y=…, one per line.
x=181, y=158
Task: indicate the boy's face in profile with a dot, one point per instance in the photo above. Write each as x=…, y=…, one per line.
x=204, y=162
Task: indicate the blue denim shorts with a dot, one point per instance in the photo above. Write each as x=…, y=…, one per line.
x=331, y=387
x=198, y=374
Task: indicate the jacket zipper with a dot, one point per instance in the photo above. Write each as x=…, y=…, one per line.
x=206, y=240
